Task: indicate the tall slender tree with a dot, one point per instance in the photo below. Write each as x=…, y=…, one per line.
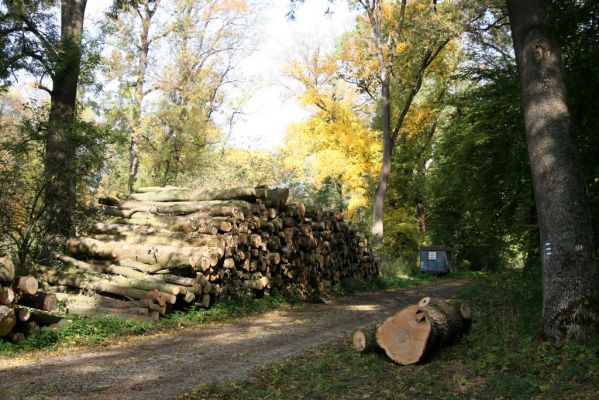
x=405, y=39
x=570, y=275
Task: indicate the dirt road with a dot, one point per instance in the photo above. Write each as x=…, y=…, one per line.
x=164, y=366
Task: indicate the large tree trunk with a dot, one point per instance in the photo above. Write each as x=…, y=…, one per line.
x=60, y=194
x=570, y=276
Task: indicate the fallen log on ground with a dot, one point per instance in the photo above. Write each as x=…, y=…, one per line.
x=417, y=330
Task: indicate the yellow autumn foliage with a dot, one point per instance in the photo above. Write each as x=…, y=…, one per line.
x=336, y=144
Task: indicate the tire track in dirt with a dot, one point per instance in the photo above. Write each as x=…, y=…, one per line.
x=164, y=366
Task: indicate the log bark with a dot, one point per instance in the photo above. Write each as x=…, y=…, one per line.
x=40, y=300
x=163, y=255
x=43, y=318
x=364, y=339
x=249, y=194
x=128, y=208
x=135, y=279
x=73, y=277
x=7, y=296
x=7, y=320
x=277, y=197
x=99, y=301
x=7, y=270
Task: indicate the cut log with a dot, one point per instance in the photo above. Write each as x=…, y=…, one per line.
x=7, y=296
x=7, y=270
x=142, y=267
x=164, y=255
x=128, y=208
x=135, y=238
x=73, y=277
x=365, y=339
x=23, y=313
x=42, y=318
x=40, y=300
x=249, y=194
x=415, y=331
x=8, y=320
x=135, y=279
x=277, y=197
x=97, y=301
x=27, y=285
x=148, y=189
x=124, y=228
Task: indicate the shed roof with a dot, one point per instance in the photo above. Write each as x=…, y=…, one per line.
x=433, y=248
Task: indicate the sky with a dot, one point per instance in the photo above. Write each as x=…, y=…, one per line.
x=271, y=107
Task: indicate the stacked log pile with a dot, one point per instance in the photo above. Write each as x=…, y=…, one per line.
x=165, y=248
x=23, y=307
x=413, y=333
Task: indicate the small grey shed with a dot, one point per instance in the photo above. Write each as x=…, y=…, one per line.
x=435, y=259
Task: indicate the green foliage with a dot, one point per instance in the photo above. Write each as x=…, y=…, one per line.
x=235, y=168
x=500, y=359
x=21, y=202
x=219, y=312
x=480, y=186
x=81, y=332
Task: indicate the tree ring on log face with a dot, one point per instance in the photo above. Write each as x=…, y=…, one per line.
x=402, y=337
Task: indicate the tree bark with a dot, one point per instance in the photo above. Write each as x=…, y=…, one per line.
x=60, y=178
x=248, y=194
x=7, y=269
x=570, y=275
x=364, y=339
x=42, y=301
x=378, y=215
x=7, y=320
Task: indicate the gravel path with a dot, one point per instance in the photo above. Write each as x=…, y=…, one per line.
x=162, y=367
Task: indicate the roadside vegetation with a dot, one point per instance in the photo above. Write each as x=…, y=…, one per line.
x=501, y=358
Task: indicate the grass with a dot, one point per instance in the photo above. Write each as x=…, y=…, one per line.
x=93, y=332
x=501, y=358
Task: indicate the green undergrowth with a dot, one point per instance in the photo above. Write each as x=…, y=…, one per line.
x=95, y=331
x=501, y=358
x=91, y=331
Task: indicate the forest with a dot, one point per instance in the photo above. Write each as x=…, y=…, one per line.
x=471, y=125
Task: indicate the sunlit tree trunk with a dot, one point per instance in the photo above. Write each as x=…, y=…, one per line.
x=378, y=214
x=570, y=276
x=60, y=176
